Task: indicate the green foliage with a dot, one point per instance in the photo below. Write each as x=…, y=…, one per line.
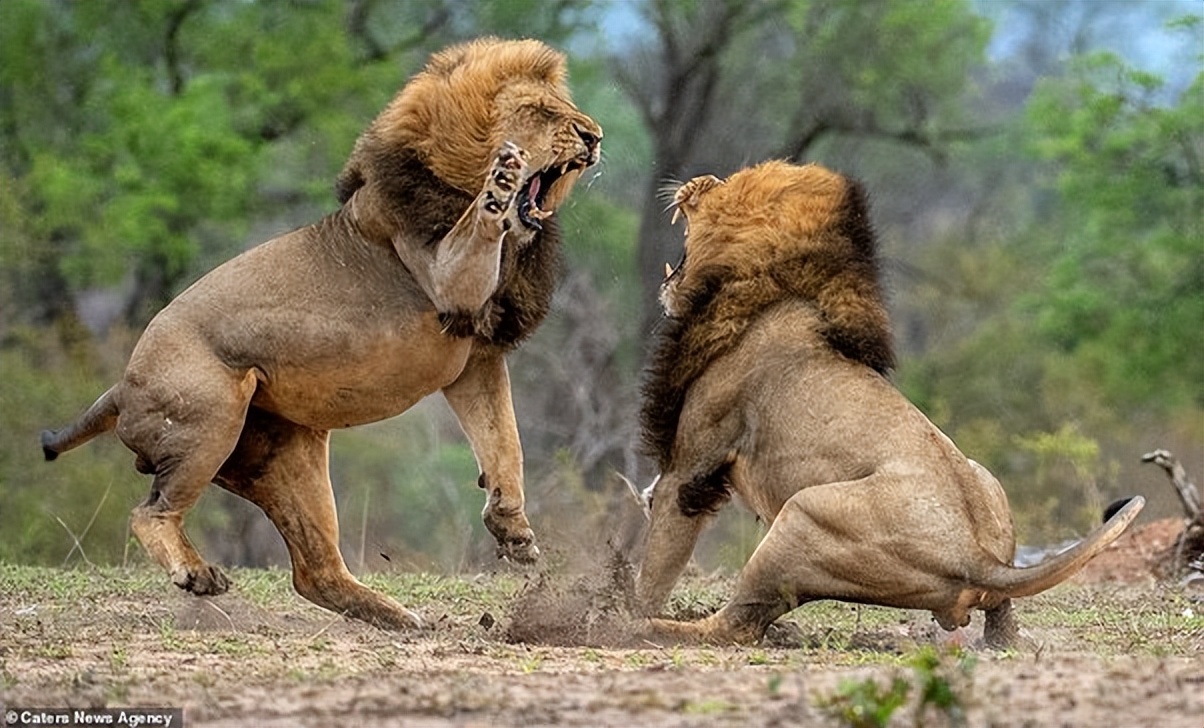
x=1123, y=295
x=87, y=496
x=937, y=684
x=941, y=685
x=911, y=66
x=864, y=703
x=405, y=467
x=1067, y=328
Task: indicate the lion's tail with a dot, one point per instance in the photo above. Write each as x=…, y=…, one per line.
x=99, y=418
x=1014, y=582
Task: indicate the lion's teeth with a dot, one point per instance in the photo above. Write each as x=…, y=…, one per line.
x=668, y=270
x=676, y=214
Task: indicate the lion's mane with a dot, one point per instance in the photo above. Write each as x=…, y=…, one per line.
x=418, y=182
x=835, y=270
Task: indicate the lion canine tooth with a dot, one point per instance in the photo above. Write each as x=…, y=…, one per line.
x=668, y=270
x=676, y=214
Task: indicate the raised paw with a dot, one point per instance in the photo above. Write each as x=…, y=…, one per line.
x=206, y=581
x=687, y=195
x=504, y=179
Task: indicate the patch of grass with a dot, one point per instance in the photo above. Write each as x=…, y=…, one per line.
x=118, y=659
x=231, y=645
x=387, y=658
x=677, y=657
x=1161, y=622
x=320, y=643
x=265, y=588
x=204, y=679
x=864, y=703
x=42, y=584
x=45, y=610
x=54, y=650
x=940, y=683
x=530, y=664
x=697, y=598
x=774, y=685
x=639, y=659
x=460, y=596
x=169, y=638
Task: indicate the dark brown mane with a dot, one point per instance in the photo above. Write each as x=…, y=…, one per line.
x=837, y=273
x=423, y=207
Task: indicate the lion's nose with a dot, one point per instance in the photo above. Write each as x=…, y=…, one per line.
x=591, y=141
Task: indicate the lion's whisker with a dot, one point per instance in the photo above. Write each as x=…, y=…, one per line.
x=667, y=189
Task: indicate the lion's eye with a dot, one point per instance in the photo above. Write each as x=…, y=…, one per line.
x=543, y=113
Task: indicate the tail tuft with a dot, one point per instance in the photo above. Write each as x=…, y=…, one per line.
x=50, y=454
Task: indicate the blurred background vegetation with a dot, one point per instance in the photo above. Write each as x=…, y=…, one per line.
x=1035, y=170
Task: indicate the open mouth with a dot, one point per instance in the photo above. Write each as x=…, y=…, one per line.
x=672, y=270
x=532, y=196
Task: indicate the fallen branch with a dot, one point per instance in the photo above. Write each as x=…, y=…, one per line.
x=1189, y=494
x=1188, y=550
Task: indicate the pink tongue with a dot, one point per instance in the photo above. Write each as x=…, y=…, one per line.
x=533, y=189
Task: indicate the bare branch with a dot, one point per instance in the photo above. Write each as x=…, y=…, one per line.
x=171, y=44
x=359, y=15
x=1189, y=494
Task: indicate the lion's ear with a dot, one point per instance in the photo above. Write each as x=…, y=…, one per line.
x=348, y=181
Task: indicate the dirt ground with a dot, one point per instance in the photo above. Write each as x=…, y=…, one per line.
x=1115, y=648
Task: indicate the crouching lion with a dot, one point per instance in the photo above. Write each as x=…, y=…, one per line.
x=443, y=257
x=767, y=381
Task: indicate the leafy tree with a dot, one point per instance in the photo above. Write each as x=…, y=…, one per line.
x=1124, y=293
x=1060, y=336
x=721, y=84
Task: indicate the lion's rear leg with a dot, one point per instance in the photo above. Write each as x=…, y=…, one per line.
x=1000, y=629
x=183, y=442
x=764, y=592
x=283, y=468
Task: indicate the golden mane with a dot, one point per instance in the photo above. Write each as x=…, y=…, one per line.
x=420, y=162
x=772, y=233
x=446, y=113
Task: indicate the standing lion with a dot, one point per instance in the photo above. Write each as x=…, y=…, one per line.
x=442, y=258
x=767, y=382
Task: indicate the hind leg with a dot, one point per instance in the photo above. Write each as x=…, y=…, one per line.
x=1000, y=630
x=182, y=441
x=764, y=592
x=844, y=541
x=283, y=468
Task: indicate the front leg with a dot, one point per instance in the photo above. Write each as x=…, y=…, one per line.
x=481, y=400
x=670, y=542
x=461, y=273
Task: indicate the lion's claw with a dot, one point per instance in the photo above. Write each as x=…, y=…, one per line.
x=519, y=551
x=515, y=539
x=206, y=581
x=504, y=179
